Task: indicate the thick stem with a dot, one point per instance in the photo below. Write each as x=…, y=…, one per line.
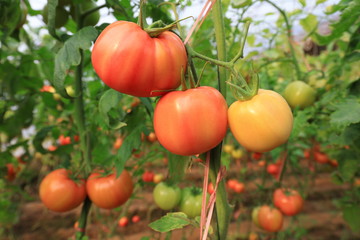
x=241, y=50
x=288, y=28
x=83, y=218
x=222, y=206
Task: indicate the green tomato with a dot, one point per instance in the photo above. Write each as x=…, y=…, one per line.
x=255, y=216
x=191, y=202
x=91, y=19
x=299, y=94
x=166, y=196
x=61, y=16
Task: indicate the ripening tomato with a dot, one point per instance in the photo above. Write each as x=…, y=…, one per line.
x=237, y=153
x=129, y=60
x=64, y=140
x=60, y=193
x=108, y=191
x=191, y=122
x=321, y=157
x=158, y=177
x=148, y=176
x=289, y=201
x=210, y=188
x=118, y=142
x=135, y=219
x=152, y=137
x=256, y=155
x=166, y=196
x=239, y=187
x=299, y=94
x=228, y=148
x=270, y=219
x=262, y=123
x=273, y=169
x=123, y=222
x=255, y=216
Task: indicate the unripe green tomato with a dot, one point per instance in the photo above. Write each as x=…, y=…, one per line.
x=70, y=91
x=61, y=16
x=91, y=19
x=166, y=196
x=299, y=94
x=191, y=202
x=255, y=216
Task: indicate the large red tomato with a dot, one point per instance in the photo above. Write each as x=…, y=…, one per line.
x=270, y=219
x=60, y=193
x=192, y=121
x=109, y=192
x=128, y=60
x=262, y=123
x=289, y=201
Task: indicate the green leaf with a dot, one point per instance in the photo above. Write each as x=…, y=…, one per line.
x=347, y=112
x=348, y=169
x=170, y=221
x=69, y=55
x=108, y=102
x=240, y=3
x=177, y=166
x=351, y=215
x=320, y=1
x=309, y=23
x=302, y=2
x=39, y=138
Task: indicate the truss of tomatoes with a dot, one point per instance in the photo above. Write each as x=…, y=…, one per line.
x=61, y=193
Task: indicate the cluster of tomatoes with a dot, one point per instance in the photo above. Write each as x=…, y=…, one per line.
x=286, y=202
x=61, y=192
x=188, y=200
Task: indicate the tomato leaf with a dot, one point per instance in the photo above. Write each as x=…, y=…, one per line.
x=309, y=23
x=170, y=222
x=69, y=55
x=320, y=1
x=39, y=138
x=109, y=101
x=352, y=217
x=347, y=112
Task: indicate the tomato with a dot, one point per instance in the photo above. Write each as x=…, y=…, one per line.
x=191, y=122
x=299, y=94
x=273, y=169
x=166, y=196
x=148, y=176
x=61, y=16
x=239, y=187
x=128, y=60
x=253, y=236
x=262, y=123
x=91, y=19
x=158, y=178
x=289, y=201
x=64, y=140
x=262, y=163
x=191, y=202
x=118, y=142
x=76, y=138
x=60, y=193
x=210, y=188
x=109, y=192
x=333, y=162
x=123, y=222
x=231, y=183
x=255, y=216
x=152, y=137
x=52, y=148
x=307, y=153
x=270, y=219
x=321, y=157
x=256, y=155
x=135, y=219
x=237, y=153
x=228, y=148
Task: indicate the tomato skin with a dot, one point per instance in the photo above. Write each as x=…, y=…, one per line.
x=239, y=187
x=228, y=148
x=109, y=192
x=273, y=169
x=321, y=157
x=59, y=193
x=289, y=201
x=128, y=60
x=64, y=140
x=123, y=222
x=256, y=155
x=255, y=216
x=191, y=203
x=299, y=94
x=270, y=219
x=210, y=188
x=166, y=196
x=262, y=123
x=191, y=122
x=148, y=176
x=135, y=219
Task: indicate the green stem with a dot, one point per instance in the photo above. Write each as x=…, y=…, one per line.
x=83, y=218
x=222, y=208
x=142, y=16
x=288, y=28
x=193, y=53
x=240, y=54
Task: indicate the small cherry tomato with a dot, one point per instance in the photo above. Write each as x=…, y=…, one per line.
x=273, y=169
x=148, y=176
x=123, y=222
x=135, y=219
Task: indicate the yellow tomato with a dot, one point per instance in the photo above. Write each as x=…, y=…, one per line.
x=238, y=153
x=262, y=123
x=228, y=148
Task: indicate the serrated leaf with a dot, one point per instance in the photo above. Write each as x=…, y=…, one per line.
x=309, y=23
x=109, y=101
x=347, y=112
x=170, y=221
x=69, y=55
x=352, y=217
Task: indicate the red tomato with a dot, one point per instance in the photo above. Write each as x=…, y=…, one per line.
x=118, y=142
x=152, y=137
x=76, y=138
x=231, y=183
x=109, y=192
x=307, y=153
x=135, y=219
x=148, y=176
x=64, y=140
x=262, y=123
x=130, y=61
x=123, y=222
x=210, y=188
x=321, y=157
x=333, y=162
x=289, y=201
x=270, y=219
x=191, y=122
x=52, y=148
x=256, y=155
x=273, y=169
x=60, y=193
x=262, y=163
x=239, y=187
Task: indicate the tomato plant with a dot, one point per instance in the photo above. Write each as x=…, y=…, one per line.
x=191, y=202
x=270, y=219
x=289, y=201
x=191, y=122
x=262, y=123
x=166, y=196
x=61, y=16
x=129, y=60
x=60, y=193
x=299, y=94
x=91, y=19
x=108, y=191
